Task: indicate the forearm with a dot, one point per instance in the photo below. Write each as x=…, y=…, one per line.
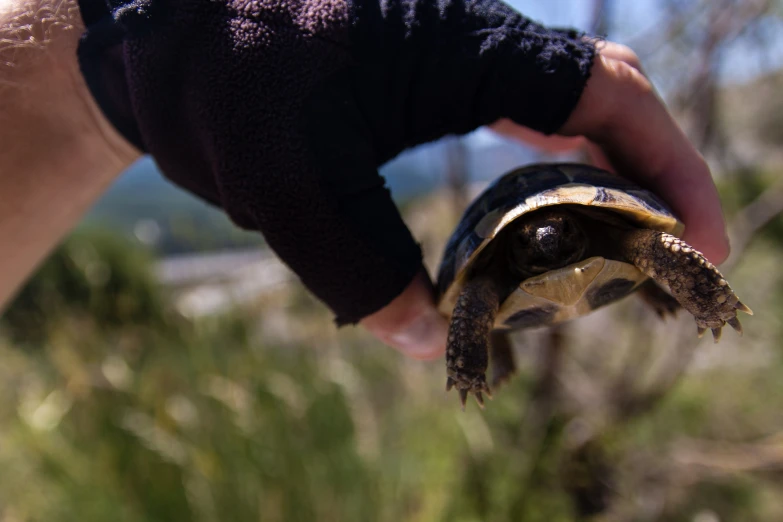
x=58, y=152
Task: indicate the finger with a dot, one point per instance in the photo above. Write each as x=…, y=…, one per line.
x=411, y=323
x=598, y=158
x=552, y=144
x=620, y=52
x=556, y=143
x=620, y=112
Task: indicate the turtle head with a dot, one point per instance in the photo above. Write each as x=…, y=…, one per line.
x=545, y=241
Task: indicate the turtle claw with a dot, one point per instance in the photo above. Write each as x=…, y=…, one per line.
x=463, y=397
x=739, y=305
x=735, y=323
x=716, y=334
x=700, y=331
x=477, y=387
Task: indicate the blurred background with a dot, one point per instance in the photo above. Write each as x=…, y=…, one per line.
x=164, y=366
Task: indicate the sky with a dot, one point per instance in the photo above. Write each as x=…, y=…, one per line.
x=637, y=20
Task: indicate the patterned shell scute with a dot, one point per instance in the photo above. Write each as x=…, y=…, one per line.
x=535, y=186
x=603, y=180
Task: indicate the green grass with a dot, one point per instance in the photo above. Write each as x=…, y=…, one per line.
x=113, y=407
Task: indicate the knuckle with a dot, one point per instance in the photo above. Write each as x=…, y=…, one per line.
x=622, y=53
x=628, y=75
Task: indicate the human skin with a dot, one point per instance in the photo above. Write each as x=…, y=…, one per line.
x=59, y=154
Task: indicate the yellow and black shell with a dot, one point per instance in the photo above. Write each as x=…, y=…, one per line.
x=573, y=290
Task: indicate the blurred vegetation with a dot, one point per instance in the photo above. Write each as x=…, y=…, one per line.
x=116, y=408
x=95, y=277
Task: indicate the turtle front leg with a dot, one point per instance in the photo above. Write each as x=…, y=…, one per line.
x=692, y=280
x=467, y=348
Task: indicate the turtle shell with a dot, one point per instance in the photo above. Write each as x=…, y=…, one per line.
x=567, y=292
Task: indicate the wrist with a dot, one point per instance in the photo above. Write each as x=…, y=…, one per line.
x=47, y=101
x=59, y=152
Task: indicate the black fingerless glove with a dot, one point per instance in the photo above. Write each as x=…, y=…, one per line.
x=281, y=111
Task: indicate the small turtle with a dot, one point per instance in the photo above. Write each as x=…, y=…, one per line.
x=550, y=242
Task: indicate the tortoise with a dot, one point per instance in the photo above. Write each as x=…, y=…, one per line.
x=550, y=242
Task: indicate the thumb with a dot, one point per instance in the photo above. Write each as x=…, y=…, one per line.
x=411, y=323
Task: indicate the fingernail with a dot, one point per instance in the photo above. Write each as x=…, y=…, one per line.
x=423, y=338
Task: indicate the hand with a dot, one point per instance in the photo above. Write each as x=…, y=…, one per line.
x=626, y=128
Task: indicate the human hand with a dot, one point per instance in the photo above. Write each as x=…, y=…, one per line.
x=627, y=129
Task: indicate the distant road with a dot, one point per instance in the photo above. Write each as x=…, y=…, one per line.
x=189, y=269
x=210, y=283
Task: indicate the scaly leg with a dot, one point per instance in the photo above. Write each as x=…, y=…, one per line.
x=693, y=281
x=467, y=348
